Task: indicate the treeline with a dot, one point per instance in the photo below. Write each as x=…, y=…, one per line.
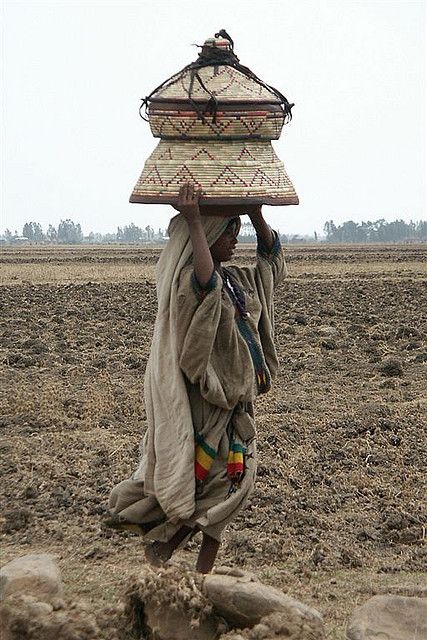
x=69, y=232
x=378, y=231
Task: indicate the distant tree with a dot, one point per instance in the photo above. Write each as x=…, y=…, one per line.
x=8, y=235
x=377, y=231
x=52, y=234
x=132, y=233
x=38, y=234
x=27, y=231
x=330, y=231
x=33, y=231
x=247, y=233
x=421, y=230
x=149, y=231
x=109, y=238
x=69, y=232
x=94, y=238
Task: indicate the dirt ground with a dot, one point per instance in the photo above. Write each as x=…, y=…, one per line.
x=338, y=513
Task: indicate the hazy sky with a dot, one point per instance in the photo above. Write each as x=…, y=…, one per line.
x=73, y=73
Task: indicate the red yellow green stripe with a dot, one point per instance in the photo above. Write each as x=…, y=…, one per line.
x=235, y=463
x=205, y=455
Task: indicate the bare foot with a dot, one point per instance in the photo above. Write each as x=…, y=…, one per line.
x=157, y=553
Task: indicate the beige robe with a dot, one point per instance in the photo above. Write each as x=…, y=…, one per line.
x=216, y=388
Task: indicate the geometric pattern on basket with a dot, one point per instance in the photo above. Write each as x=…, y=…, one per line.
x=186, y=124
x=225, y=150
x=221, y=169
x=225, y=82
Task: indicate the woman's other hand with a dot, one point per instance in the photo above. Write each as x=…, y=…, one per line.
x=262, y=229
x=255, y=212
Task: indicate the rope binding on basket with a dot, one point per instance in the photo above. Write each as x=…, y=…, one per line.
x=213, y=55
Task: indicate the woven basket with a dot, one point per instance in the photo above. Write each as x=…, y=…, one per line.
x=216, y=124
x=176, y=121
x=227, y=172
x=226, y=83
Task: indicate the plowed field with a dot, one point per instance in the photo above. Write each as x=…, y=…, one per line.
x=339, y=508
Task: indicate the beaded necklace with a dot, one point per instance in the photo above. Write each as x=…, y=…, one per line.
x=237, y=296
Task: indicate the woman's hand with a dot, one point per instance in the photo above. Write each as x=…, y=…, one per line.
x=262, y=229
x=188, y=202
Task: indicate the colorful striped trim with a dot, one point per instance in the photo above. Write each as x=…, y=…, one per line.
x=274, y=252
x=205, y=455
x=236, y=462
x=200, y=291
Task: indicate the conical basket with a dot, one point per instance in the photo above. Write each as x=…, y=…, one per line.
x=216, y=120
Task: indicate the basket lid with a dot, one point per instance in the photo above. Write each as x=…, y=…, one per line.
x=218, y=76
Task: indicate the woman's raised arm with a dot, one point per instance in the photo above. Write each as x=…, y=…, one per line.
x=262, y=229
x=188, y=205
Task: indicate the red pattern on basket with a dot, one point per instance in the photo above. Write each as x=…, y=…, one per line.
x=219, y=80
x=183, y=124
x=260, y=178
x=227, y=176
x=201, y=153
x=153, y=177
x=167, y=155
x=183, y=175
x=245, y=154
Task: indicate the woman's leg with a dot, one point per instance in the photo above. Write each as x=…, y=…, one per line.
x=159, y=552
x=207, y=554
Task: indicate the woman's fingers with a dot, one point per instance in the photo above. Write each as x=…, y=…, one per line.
x=182, y=194
x=188, y=194
x=188, y=201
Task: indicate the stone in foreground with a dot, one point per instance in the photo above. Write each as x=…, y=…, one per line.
x=243, y=601
x=389, y=618
x=167, y=604
x=24, y=617
x=37, y=575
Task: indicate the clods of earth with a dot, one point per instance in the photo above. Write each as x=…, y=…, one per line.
x=338, y=512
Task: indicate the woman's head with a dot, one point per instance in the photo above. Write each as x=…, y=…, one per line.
x=223, y=248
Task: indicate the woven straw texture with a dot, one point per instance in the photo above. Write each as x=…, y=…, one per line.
x=186, y=124
x=227, y=172
x=225, y=83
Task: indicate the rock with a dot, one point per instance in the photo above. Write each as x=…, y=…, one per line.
x=23, y=616
x=389, y=618
x=167, y=604
x=328, y=344
x=300, y=318
x=167, y=623
x=16, y=520
x=406, y=590
x=391, y=367
x=243, y=603
x=406, y=332
x=235, y=572
x=36, y=575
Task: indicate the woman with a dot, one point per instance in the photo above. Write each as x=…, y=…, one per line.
x=212, y=353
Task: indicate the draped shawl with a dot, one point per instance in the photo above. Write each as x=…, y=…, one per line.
x=167, y=462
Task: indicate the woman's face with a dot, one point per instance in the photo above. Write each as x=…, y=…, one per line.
x=222, y=250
